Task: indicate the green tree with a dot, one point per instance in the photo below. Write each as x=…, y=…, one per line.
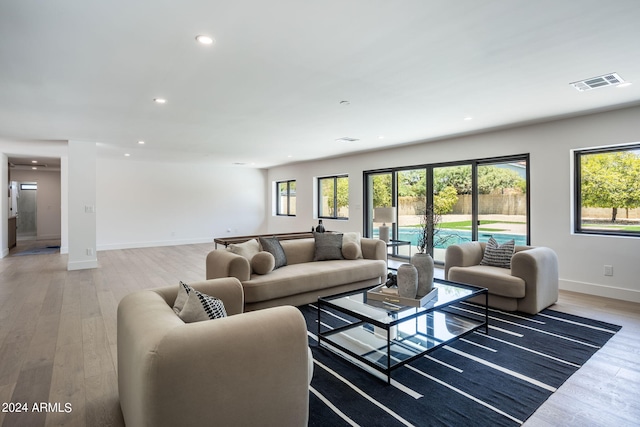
x=381, y=190
x=444, y=201
x=610, y=180
x=491, y=178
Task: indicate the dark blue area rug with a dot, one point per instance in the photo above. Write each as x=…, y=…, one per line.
x=480, y=380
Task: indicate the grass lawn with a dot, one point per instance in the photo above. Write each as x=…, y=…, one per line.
x=466, y=225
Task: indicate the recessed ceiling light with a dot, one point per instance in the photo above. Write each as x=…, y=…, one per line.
x=468, y=118
x=345, y=103
x=127, y=154
x=159, y=100
x=141, y=142
x=380, y=136
x=204, y=39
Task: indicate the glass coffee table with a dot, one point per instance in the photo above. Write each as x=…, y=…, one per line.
x=386, y=336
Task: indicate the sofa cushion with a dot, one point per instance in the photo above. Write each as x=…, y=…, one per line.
x=497, y=280
x=263, y=262
x=273, y=246
x=308, y=277
x=351, y=237
x=497, y=255
x=328, y=246
x=199, y=307
x=299, y=250
x=246, y=249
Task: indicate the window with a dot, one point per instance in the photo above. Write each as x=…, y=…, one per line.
x=286, y=200
x=607, y=185
x=470, y=200
x=333, y=197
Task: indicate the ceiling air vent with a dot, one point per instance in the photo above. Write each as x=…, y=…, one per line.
x=611, y=79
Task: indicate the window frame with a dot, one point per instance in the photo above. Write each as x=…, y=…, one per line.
x=429, y=168
x=577, y=186
x=335, y=196
x=279, y=211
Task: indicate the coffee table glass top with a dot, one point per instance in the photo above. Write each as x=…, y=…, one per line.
x=359, y=304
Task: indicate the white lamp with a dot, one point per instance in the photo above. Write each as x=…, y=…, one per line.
x=384, y=215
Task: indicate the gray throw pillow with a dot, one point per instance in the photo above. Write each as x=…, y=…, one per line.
x=328, y=246
x=498, y=255
x=273, y=246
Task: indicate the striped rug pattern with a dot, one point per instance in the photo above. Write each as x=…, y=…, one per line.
x=479, y=380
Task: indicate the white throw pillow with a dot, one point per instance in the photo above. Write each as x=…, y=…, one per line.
x=352, y=237
x=247, y=249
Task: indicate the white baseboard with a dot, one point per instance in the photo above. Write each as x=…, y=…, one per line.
x=601, y=290
x=135, y=245
x=5, y=252
x=82, y=265
x=48, y=237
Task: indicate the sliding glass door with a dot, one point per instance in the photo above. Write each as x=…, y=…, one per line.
x=470, y=201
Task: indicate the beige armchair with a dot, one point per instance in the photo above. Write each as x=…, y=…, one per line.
x=245, y=369
x=529, y=286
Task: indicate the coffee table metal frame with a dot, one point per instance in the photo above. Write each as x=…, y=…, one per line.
x=387, y=336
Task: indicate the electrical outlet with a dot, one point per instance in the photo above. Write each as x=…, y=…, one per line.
x=90, y=251
x=608, y=270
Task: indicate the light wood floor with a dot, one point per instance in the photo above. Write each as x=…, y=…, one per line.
x=58, y=340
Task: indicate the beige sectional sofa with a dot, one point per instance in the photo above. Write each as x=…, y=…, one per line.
x=246, y=369
x=302, y=280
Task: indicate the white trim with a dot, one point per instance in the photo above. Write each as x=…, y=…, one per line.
x=82, y=265
x=153, y=244
x=623, y=294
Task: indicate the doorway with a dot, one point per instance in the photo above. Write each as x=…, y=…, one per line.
x=27, y=210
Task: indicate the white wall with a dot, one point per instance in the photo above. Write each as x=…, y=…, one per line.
x=82, y=205
x=48, y=200
x=144, y=204
x=582, y=258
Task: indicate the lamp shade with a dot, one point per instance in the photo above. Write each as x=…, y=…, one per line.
x=384, y=215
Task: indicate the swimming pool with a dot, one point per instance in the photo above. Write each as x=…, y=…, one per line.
x=453, y=237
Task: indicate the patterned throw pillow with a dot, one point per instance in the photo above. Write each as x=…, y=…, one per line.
x=273, y=246
x=181, y=299
x=328, y=246
x=199, y=307
x=498, y=255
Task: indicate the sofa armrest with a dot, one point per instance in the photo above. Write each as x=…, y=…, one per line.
x=462, y=255
x=172, y=373
x=222, y=263
x=373, y=249
x=228, y=289
x=538, y=267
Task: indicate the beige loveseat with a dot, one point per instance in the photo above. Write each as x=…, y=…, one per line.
x=302, y=280
x=246, y=369
x=530, y=285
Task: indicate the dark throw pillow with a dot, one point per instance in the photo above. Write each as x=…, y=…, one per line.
x=497, y=255
x=273, y=246
x=328, y=246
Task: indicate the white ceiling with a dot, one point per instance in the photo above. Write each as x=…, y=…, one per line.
x=268, y=91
